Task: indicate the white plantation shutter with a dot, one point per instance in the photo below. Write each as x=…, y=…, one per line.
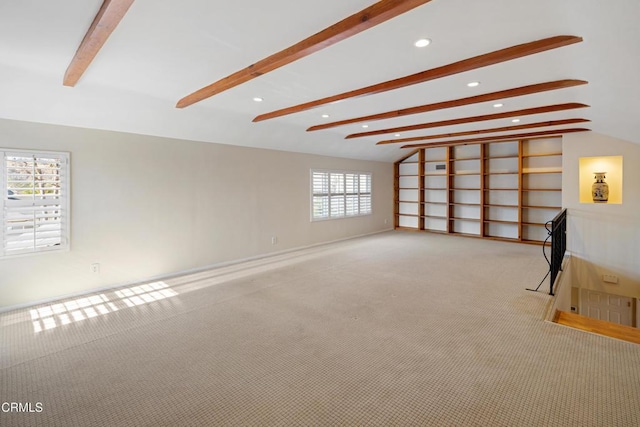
x=336, y=203
x=35, y=202
x=320, y=188
x=351, y=194
x=365, y=194
x=336, y=194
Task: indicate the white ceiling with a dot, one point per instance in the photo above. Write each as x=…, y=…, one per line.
x=165, y=49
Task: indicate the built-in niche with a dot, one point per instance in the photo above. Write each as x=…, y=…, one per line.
x=612, y=168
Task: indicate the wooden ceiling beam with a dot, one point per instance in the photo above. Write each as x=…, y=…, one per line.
x=487, y=97
x=371, y=16
x=472, y=119
x=483, y=131
x=497, y=138
x=109, y=16
x=469, y=64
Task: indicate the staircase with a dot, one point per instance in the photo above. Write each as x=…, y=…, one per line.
x=596, y=326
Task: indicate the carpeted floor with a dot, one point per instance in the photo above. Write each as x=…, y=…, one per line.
x=396, y=329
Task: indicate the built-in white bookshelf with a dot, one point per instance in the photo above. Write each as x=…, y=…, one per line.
x=407, y=177
x=502, y=190
x=465, y=189
x=541, y=185
x=435, y=197
x=497, y=190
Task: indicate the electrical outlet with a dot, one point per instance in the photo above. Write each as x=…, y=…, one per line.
x=386, y=221
x=274, y=240
x=609, y=278
x=95, y=267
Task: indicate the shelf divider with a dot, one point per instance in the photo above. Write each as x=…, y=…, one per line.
x=421, y=186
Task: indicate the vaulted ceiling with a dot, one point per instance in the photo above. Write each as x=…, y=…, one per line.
x=162, y=51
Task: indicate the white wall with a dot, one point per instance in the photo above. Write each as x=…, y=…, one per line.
x=147, y=206
x=603, y=238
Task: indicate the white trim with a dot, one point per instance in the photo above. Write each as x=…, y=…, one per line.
x=562, y=290
x=20, y=150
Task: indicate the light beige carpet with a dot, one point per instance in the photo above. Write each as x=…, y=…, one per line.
x=396, y=329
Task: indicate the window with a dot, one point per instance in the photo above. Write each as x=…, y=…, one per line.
x=34, y=202
x=337, y=194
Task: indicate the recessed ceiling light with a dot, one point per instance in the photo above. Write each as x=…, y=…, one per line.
x=498, y=105
x=422, y=43
x=397, y=135
x=473, y=84
x=258, y=99
x=515, y=120
x=365, y=126
x=325, y=116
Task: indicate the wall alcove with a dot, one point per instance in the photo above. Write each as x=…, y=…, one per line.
x=612, y=165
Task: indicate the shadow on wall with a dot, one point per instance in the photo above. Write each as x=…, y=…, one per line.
x=588, y=275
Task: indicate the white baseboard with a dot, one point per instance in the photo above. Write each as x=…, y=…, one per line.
x=238, y=263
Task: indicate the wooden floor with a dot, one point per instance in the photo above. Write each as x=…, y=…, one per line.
x=601, y=327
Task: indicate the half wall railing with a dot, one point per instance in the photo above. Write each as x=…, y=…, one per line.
x=557, y=229
x=558, y=233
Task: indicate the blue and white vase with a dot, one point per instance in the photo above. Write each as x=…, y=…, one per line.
x=600, y=189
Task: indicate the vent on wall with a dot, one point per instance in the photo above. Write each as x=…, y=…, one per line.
x=441, y=167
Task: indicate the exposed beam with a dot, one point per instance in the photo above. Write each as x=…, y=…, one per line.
x=493, y=96
x=371, y=16
x=472, y=119
x=480, y=61
x=109, y=16
x=483, y=131
x=496, y=138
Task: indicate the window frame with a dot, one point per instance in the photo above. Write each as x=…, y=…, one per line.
x=64, y=201
x=358, y=194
